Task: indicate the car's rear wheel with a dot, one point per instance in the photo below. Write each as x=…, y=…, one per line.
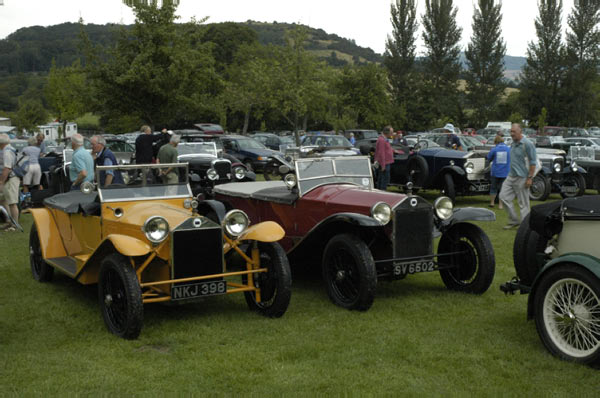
x=449, y=187
x=275, y=285
x=418, y=171
x=120, y=297
x=540, y=188
x=527, y=245
x=271, y=172
x=576, y=185
x=40, y=270
x=567, y=313
x=349, y=272
x=472, y=263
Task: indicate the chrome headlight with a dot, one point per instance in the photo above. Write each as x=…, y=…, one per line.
x=382, y=212
x=239, y=173
x=443, y=207
x=212, y=174
x=235, y=223
x=290, y=180
x=87, y=187
x=469, y=167
x=557, y=167
x=156, y=229
x=574, y=166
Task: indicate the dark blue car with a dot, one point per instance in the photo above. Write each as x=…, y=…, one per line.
x=248, y=150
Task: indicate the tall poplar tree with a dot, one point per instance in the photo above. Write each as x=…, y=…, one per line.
x=485, y=66
x=543, y=73
x=441, y=63
x=582, y=56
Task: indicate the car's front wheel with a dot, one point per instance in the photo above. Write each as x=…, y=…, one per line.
x=540, y=188
x=349, y=272
x=449, y=187
x=275, y=285
x=574, y=185
x=40, y=270
x=468, y=255
x=567, y=313
x=120, y=297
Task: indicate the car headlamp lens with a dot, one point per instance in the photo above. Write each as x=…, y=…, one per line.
x=212, y=174
x=239, y=173
x=469, y=167
x=382, y=212
x=443, y=207
x=557, y=167
x=235, y=223
x=290, y=180
x=156, y=229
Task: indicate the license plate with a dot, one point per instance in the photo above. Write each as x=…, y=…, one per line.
x=569, y=189
x=484, y=187
x=182, y=292
x=413, y=268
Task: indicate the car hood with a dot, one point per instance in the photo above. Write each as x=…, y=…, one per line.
x=138, y=212
x=348, y=195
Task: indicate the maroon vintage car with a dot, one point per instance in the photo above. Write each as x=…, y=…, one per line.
x=333, y=217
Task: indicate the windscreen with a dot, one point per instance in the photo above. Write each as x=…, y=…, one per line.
x=355, y=170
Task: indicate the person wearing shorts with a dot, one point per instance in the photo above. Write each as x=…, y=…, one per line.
x=499, y=156
x=34, y=171
x=9, y=182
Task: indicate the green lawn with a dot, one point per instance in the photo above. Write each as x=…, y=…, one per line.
x=417, y=339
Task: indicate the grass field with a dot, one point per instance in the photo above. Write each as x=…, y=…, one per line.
x=417, y=339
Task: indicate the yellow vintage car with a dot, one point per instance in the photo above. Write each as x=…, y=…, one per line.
x=147, y=242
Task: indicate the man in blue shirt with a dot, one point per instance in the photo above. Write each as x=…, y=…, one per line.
x=453, y=140
x=104, y=157
x=523, y=159
x=82, y=165
x=499, y=157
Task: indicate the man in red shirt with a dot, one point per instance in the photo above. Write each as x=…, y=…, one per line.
x=384, y=157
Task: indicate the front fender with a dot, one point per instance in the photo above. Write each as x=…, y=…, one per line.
x=453, y=169
x=207, y=206
x=50, y=241
x=568, y=170
x=267, y=231
x=127, y=245
x=590, y=263
x=468, y=214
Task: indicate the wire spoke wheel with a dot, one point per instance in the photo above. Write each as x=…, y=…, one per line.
x=40, y=270
x=343, y=273
x=571, y=312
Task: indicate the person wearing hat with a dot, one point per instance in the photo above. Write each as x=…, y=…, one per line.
x=453, y=140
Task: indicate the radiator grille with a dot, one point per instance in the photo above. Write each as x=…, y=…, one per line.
x=223, y=168
x=413, y=228
x=197, y=251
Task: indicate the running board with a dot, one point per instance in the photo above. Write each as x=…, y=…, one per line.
x=66, y=264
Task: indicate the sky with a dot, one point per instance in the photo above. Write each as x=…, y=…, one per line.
x=367, y=22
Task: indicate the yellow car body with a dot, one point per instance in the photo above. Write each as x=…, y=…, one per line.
x=80, y=234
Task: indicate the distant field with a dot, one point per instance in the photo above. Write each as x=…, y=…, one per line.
x=418, y=339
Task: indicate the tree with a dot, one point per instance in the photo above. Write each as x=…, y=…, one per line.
x=485, y=67
x=65, y=92
x=582, y=52
x=543, y=73
x=441, y=62
x=29, y=115
x=158, y=72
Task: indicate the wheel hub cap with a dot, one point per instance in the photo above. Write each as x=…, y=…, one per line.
x=340, y=275
x=108, y=300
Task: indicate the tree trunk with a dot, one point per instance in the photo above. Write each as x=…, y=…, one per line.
x=246, y=120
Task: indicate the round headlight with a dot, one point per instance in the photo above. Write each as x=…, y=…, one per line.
x=469, y=167
x=443, y=207
x=156, y=229
x=557, y=167
x=290, y=180
x=87, y=187
x=574, y=166
x=235, y=223
x=212, y=174
x=239, y=173
x=382, y=212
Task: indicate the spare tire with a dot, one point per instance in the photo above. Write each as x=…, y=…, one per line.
x=418, y=171
x=525, y=248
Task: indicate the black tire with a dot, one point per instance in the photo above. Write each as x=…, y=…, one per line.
x=40, y=270
x=449, y=188
x=567, y=313
x=596, y=181
x=120, y=297
x=349, y=272
x=577, y=181
x=474, y=264
x=418, y=171
x=275, y=285
x=525, y=248
x=271, y=172
x=540, y=188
